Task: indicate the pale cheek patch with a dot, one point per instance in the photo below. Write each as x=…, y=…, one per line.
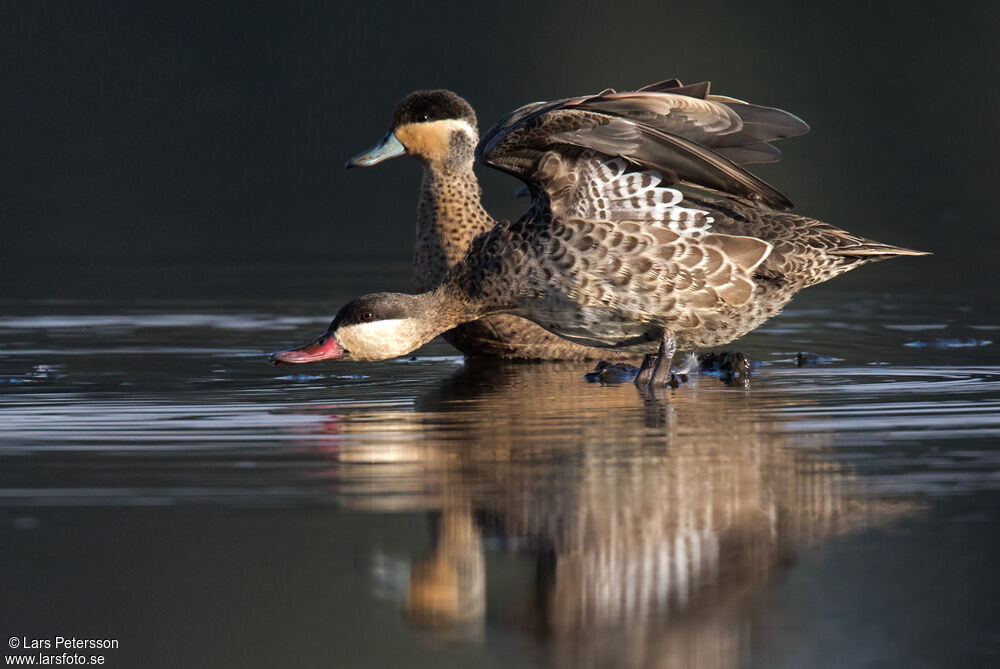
x=378, y=340
x=432, y=140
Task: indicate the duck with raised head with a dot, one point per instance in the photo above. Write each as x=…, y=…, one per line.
x=611, y=254
x=439, y=129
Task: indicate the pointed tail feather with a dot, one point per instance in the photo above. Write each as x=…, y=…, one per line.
x=875, y=250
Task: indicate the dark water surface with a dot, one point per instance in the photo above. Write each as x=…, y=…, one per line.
x=163, y=486
x=173, y=206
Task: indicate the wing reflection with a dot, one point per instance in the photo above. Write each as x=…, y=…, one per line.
x=643, y=524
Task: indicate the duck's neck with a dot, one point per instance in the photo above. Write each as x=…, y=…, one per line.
x=449, y=215
x=436, y=311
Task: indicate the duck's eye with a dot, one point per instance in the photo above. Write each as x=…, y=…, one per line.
x=423, y=117
x=367, y=317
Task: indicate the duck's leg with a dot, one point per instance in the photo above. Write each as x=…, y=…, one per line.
x=661, y=375
x=646, y=370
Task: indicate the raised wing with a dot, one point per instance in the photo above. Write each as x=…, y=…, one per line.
x=680, y=134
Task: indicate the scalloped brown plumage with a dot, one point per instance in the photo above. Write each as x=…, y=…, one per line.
x=624, y=284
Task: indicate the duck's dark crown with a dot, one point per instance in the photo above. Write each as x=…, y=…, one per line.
x=433, y=105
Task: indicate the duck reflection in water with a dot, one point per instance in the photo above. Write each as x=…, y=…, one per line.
x=642, y=526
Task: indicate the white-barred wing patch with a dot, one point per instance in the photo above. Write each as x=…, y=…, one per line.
x=608, y=192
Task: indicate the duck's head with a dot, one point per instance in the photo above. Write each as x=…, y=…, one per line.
x=374, y=327
x=437, y=127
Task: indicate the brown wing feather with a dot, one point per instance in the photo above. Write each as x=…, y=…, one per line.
x=672, y=155
x=660, y=86
x=664, y=127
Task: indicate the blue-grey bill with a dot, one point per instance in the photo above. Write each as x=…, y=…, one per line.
x=388, y=148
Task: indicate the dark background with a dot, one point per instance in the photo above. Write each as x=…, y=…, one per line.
x=189, y=135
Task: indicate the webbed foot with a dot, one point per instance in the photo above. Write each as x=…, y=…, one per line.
x=733, y=367
x=606, y=372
